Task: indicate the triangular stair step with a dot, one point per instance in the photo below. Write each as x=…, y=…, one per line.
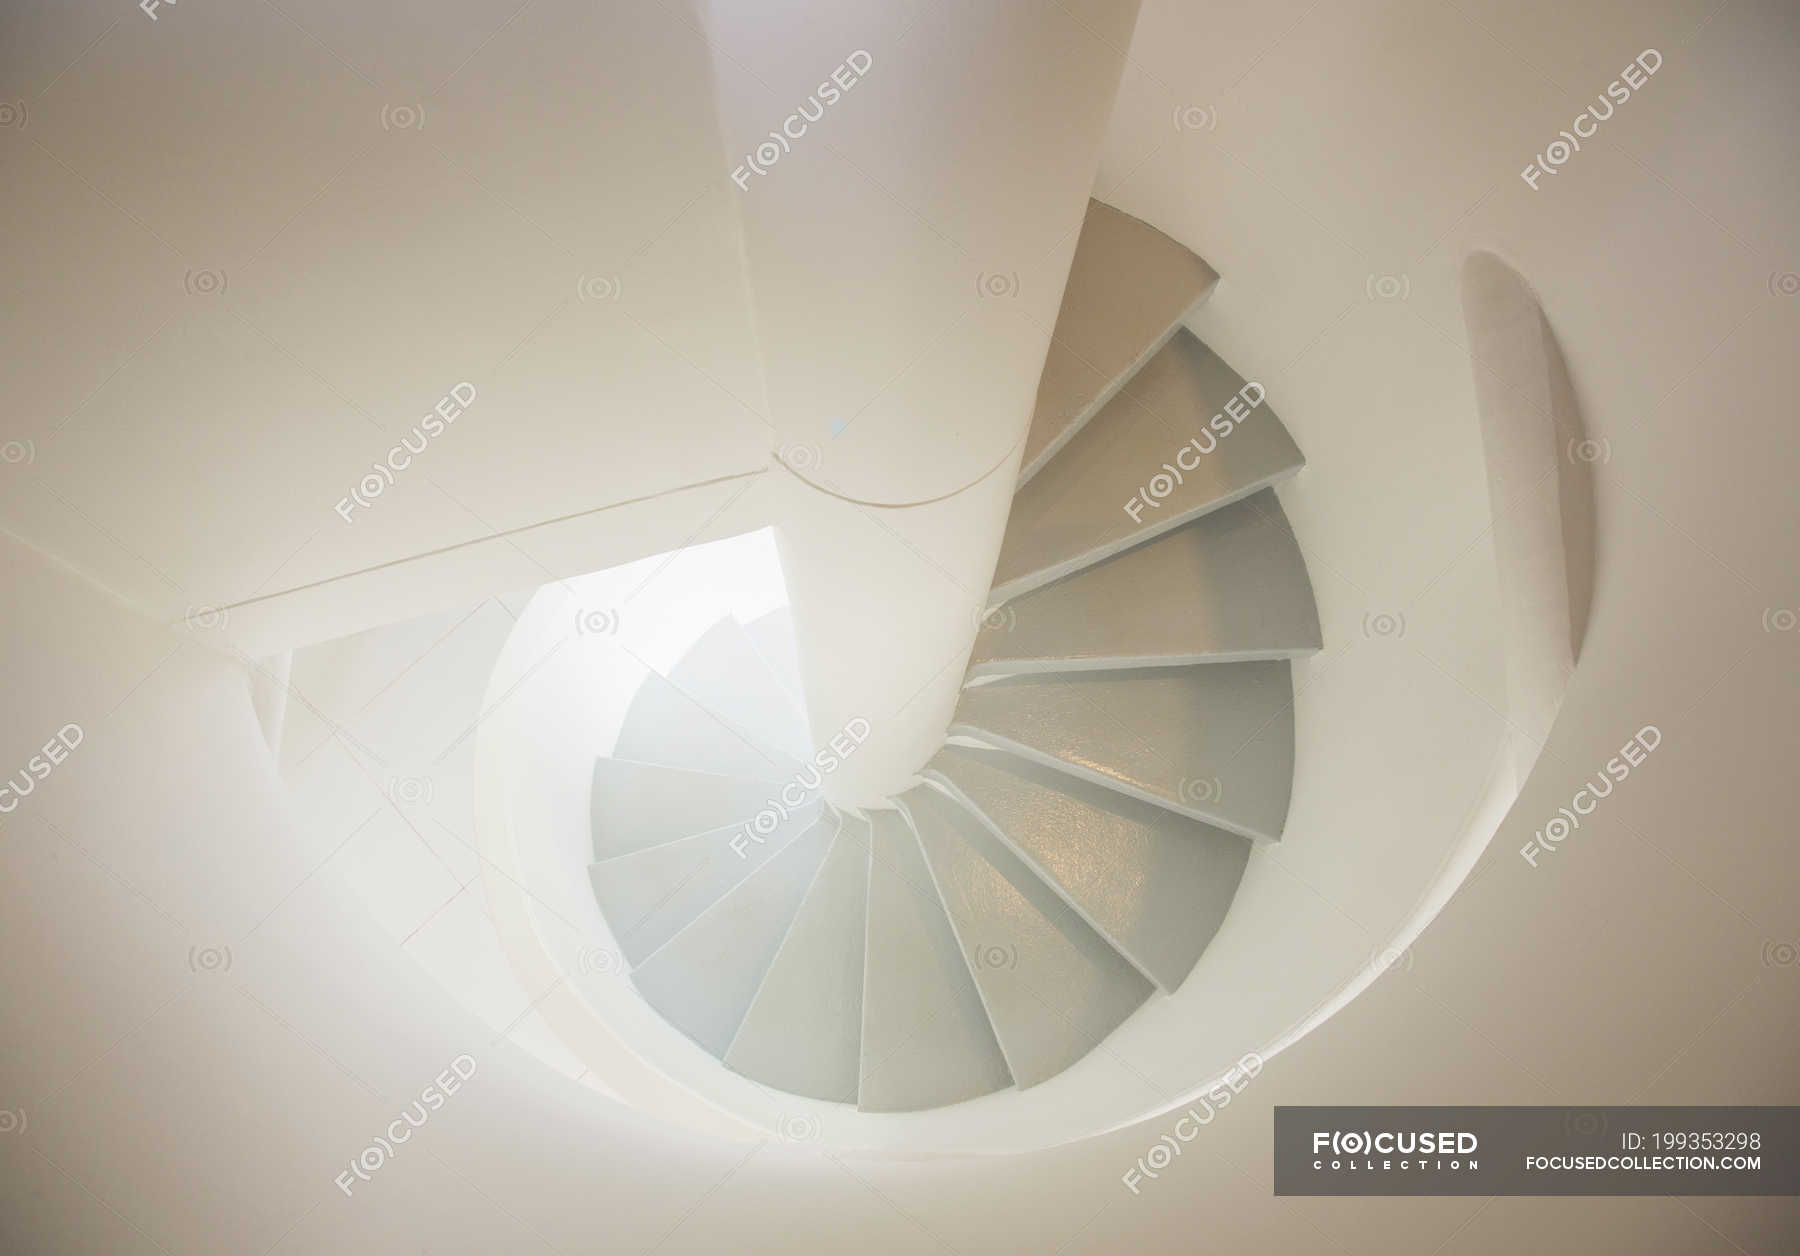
x=666, y=726
x=926, y=1040
x=803, y=1033
x=1213, y=741
x=1231, y=585
x=726, y=674
x=1052, y=986
x=650, y=895
x=1130, y=286
x=705, y=978
x=773, y=636
x=1101, y=494
x=633, y=805
x=1154, y=884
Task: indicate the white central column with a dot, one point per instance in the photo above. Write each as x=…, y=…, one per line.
x=909, y=183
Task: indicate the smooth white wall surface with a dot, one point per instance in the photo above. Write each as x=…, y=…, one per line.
x=238, y=302
x=239, y=299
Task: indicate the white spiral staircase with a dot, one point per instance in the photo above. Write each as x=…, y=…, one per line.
x=1125, y=735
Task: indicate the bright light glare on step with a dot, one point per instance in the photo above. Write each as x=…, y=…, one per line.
x=658, y=607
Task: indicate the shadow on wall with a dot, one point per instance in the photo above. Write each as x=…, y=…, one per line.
x=1540, y=487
